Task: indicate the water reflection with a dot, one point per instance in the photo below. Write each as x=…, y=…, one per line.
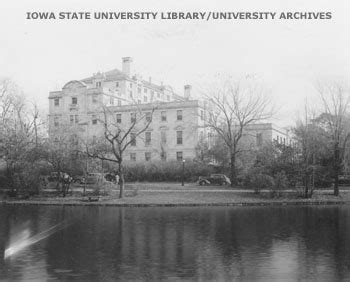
x=107, y=243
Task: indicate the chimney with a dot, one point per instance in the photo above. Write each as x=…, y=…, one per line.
x=127, y=66
x=187, y=91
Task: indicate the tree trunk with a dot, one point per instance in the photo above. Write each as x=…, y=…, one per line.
x=336, y=184
x=121, y=180
x=306, y=192
x=233, y=170
x=336, y=169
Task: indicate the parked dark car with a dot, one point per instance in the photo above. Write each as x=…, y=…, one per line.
x=79, y=179
x=344, y=180
x=111, y=177
x=219, y=179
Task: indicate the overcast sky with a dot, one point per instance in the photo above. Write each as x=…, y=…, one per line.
x=288, y=55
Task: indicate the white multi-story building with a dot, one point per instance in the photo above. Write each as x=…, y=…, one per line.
x=177, y=121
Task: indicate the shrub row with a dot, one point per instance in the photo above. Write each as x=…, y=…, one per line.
x=166, y=171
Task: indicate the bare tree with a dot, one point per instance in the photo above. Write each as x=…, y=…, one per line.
x=17, y=137
x=234, y=106
x=118, y=136
x=311, y=144
x=60, y=150
x=336, y=101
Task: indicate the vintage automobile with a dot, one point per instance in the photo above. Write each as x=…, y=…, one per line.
x=344, y=180
x=219, y=179
x=79, y=179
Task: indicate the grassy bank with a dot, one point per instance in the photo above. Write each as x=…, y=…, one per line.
x=186, y=198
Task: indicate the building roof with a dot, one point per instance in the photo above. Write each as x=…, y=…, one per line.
x=111, y=75
x=115, y=74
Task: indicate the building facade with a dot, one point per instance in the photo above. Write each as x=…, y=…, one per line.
x=177, y=121
x=261, y=134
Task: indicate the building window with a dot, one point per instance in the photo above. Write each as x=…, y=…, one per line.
x=179, y=115
x=145, y=99
x=158, y=95
x=111, y=100
x=163, y=156
x=152, y=95
x=139, y=101
x=179, y=156
x=138, y=90
x=57, y=102
x=94, y=119
x=202, y=115
x=132, y=117
x=148, y=117
x=148, y=138
x=73, y=119
x=259, y=139
x=74, y=100
x=119, y=118
x=145, y=90
x=163, y=137
x=94, y=99
x=130, y=94
x=133, y=157
x=148, y=156
x=163, y=115
x=133, y=139
x=119, y=102
x=56, y=121
x=98, y=84
x=117, y=84
x=130, y=85
x=179, y=137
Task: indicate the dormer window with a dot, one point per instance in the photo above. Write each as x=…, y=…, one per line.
x=74, y=100
x=57, y=102
x=98, y=84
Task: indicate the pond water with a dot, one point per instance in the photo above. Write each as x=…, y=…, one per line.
x=212, y=243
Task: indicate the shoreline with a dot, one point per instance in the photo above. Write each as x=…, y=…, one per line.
x=282, y=202
x=170, y=195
